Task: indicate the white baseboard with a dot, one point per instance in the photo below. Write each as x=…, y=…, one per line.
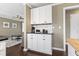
x=25, y=49
x=58, y=49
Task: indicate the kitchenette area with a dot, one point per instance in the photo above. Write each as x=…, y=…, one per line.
x=40, y=37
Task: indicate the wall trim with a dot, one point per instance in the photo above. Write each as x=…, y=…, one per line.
x=49, y=4
x=64, y=30
x=56, y=4
x=71, y=7
x=29, y=5
x=60, y=49
x=25, y=49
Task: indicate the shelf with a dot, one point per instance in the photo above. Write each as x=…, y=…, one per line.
x=43, y=24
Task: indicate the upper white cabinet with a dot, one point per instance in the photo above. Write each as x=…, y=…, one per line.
x=45, y=14
x=41, y=15
x=35, y=16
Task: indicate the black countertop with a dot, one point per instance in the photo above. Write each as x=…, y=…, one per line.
x=41, y=33
x=3, y=38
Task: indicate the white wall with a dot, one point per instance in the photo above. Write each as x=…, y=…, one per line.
x=10, y=10
x=74, y=26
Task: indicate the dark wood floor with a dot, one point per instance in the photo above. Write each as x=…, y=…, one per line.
x=18, y=51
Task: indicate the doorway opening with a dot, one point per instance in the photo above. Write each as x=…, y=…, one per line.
x=71, y=12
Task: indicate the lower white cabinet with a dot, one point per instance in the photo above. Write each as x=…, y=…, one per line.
x=40, y=42
x=2, y=48
x=71, y=51
x=29, y=41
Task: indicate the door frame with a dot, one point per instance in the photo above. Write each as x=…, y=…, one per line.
x=64, y=18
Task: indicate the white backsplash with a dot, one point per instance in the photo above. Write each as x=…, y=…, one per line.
x=46, y=27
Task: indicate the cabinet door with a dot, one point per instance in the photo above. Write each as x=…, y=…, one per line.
x=45, y=14
x=48, y=14
x=44, y=44
x=29, y=41
x=42, y=14
x=35, y=16
x=40, y=43
x=35, y=42
x=32, y=41
x=48, y=44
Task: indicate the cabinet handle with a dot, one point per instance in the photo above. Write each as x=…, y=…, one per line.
x=43, y=39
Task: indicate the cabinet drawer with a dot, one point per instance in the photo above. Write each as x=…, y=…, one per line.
x=47, y=37
x=30, y=36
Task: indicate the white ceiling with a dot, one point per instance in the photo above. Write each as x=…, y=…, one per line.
x=11, y=10
x=35, y=5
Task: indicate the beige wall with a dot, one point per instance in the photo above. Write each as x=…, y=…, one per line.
x=27, y=23
x=10, y=31
x=67, y=25
x=57, y=13
x=73, y=11
x=28, y=19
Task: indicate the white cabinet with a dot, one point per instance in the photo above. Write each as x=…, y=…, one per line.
x=44, y=44
x=47, y=44
x=41, y=15
x=35, y=16
x=40, y=42
x=2, y=48
x=45, y=14
x=32, y=41
x=29, y=41
x=71, y=51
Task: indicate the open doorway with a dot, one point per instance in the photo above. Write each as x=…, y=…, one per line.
x=71, y=22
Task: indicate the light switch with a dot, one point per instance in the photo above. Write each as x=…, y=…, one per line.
x=60, y=27
x=53, y=27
